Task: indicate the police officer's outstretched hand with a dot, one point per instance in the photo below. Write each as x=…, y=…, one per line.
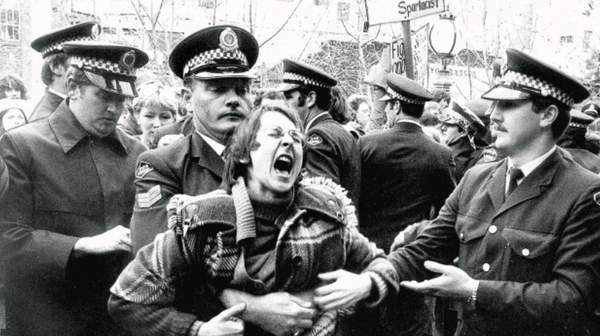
x=225, y=324
x=453, y=282
x=115, y=239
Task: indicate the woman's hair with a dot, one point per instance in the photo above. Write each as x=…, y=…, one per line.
x=338, y=109
x=10, y=104
x=156, y=97
x=243, y=141
x=11, y=82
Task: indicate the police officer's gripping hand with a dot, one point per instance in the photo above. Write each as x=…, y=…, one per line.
x=225, y=324
x=115, y=239
x=453, y=282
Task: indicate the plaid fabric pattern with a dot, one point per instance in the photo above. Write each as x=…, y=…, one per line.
x=290, y=76
x=57, y=45
x=101, y=64
x=514, y=79
x=209, y=56
x=398, y=96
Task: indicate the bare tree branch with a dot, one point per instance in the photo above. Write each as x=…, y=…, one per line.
x=283, y=25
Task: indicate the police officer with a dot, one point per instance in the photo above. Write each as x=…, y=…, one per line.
x=573, y=141
x=56, y=64
x=332, y=150
x=460, y=127
x=406, y=176
x=214, y=64
x=64, y=218
x=525, y=229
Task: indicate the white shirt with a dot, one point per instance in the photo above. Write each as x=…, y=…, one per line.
x=61, y=95
x=217, y=147
x=526, y=168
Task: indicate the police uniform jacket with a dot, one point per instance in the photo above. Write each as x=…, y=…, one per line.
x=48, y=104
x=64, y=185
x=535, y=254
x=404, y=175
x=333, y=152
x=188, y=166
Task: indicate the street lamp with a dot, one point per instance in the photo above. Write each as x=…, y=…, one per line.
x=442, y=39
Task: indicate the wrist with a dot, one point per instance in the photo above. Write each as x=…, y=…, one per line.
x=472, y=299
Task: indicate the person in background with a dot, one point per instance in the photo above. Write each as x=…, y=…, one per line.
x=361, y=108
x=56, y=64
x=441, y=97
x=406, y=177
x=376, y=78
x=155, y=107
x=332, y=151
x=265, y=220
x=12, y=87
x=593, y=137
x=267, y=97
x=460, y=127
x=64, y=222
x=593, y=110
x=12, y=114
x=430, y=121
x=573, y=140
x=520, y=270
x=146, y=80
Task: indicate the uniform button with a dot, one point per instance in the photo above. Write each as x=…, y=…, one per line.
x=297, y=260
x=486, y=267
x=525, y=252
x=258, y=285
x=462, y=236
x=493, y=229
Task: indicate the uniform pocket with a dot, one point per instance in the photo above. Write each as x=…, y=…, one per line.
x=530, y=255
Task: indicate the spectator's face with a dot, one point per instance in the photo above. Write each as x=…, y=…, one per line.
x=220, y=105
x=514, y=126
x=13, y=118
x=277, y=160
x=11, y=93
x=151, y=118
x=97, y=110
x=363, y=113
x=450, y=132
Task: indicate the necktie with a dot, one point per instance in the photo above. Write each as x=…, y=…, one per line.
x=515, y=175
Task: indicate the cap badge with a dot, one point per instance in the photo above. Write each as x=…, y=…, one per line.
x=128, y=59
x=228, y=40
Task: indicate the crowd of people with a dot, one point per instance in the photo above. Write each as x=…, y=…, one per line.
x=133, y=207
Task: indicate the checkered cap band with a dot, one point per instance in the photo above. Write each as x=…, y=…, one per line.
x=543, y=88
x=577, y=125
x=398, y=96
x=290, y=76
x=101, y=64
x=209, y=56
x=452, y=117
x=58, y=44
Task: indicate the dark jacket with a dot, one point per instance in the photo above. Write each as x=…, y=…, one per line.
x=187, y=166
x=64, y=185
x=406, y=177
x=183, y=126
x=535, y=254
x=333, y=152
x=47, y=104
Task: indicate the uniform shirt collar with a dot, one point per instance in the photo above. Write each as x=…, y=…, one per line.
x=409, y=121
x=529, y=166
x=217, y=147
x=312, y=121
x=69, y=131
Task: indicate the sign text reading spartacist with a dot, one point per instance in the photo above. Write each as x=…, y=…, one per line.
x=406, y=8
x=389, y=11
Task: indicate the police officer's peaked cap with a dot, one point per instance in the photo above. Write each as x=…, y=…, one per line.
x=526, y=77
x=215, y=52
x=580, y=119
x=297, y=74
x=405, y=90
x=593, y=110
x=109, y=66
x=51, y=43
x=461, y=116
x=376, y=76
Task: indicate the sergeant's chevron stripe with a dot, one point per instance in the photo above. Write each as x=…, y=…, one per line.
x=148, y=199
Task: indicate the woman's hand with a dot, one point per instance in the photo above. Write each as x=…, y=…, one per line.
x=225, y=324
